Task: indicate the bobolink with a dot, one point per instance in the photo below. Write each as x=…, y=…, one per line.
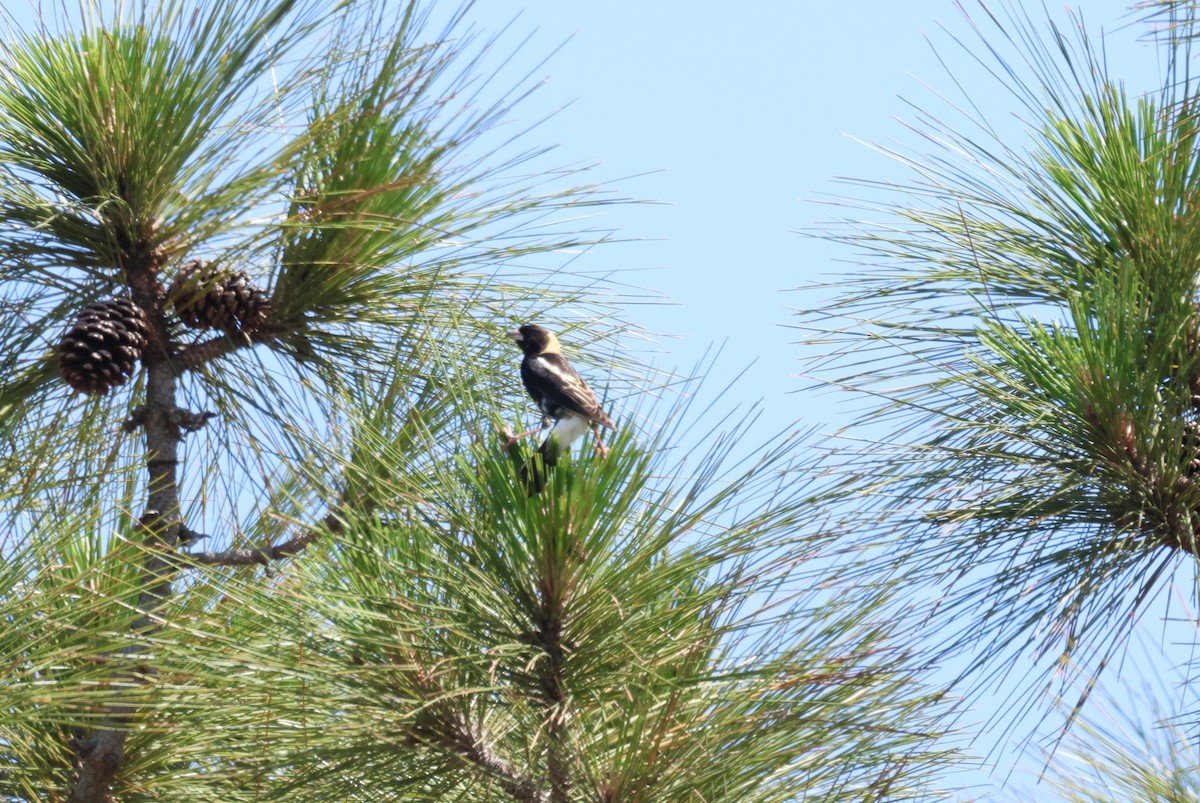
x=559, y=391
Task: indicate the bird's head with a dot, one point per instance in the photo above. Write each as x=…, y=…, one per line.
x=533, y=339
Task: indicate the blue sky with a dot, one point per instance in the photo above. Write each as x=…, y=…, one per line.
x=736, y=121
x=731, y=120
x=739, y=123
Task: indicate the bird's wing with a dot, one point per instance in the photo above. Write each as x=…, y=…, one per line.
x=558, y=383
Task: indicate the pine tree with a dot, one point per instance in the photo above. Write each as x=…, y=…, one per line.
x=1027, y=322
x=262, y=540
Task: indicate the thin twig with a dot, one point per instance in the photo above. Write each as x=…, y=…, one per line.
x=262, y=556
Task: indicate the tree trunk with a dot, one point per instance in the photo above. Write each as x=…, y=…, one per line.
x=102, y=754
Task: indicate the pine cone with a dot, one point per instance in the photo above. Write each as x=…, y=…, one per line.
x=102, y=349
x=207, y=297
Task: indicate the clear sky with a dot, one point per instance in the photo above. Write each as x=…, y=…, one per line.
x=736, y=118
x=739, y=122
x=732, y=119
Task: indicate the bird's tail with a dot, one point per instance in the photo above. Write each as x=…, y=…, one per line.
x=566, y=430
x=536, y=470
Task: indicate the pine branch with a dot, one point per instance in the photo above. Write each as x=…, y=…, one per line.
x=442, y=725
x=1032, y=298
x=263, y=556
x=199, y=354
x=471, y=746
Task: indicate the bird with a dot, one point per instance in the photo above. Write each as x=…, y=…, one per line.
x=566, y=402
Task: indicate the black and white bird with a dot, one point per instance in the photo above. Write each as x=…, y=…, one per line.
x=567, y=403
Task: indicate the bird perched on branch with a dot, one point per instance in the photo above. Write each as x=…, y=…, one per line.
x=565, y=400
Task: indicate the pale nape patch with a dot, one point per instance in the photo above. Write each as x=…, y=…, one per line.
x=552, y=345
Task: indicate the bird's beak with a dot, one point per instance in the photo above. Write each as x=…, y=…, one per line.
x=514, y=336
